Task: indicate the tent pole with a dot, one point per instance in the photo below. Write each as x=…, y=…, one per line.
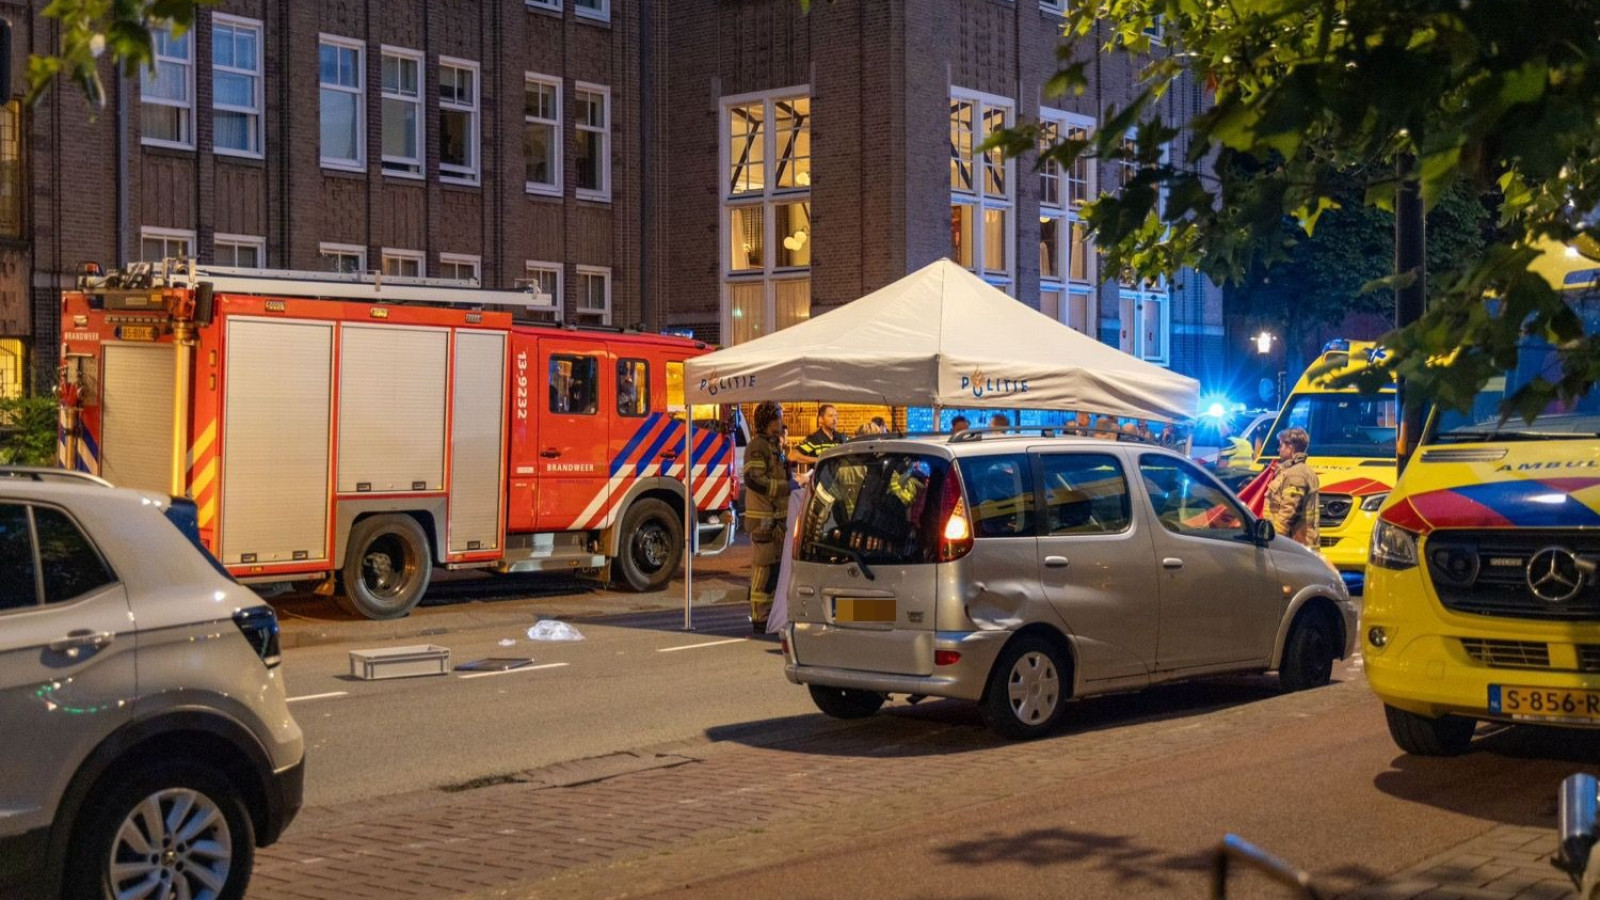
x=691, y=522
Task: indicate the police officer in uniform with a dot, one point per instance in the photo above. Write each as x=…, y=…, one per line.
x=766, y=502
x=1291, y=502
x=825, y=438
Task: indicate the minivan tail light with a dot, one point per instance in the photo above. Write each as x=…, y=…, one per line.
x=955, y=534
x=259, y=624
x=946, y=657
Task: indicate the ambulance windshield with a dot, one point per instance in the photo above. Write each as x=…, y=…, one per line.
x=1559, y=419
x=1340, y=424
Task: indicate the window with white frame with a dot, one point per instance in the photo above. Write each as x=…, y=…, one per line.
x=343, y=113
x=1059, y=7
x=541, y=134
x=157, y=244
x=593, y=9
x=1066, y=258
x=1144, y=304
x=240, y=250
x=766, y=220
x=593, y=160
x=346, y=258
x=402, y=112
x=594, y=294
x=982, y=189
x=460, y=266
x=236, y=85
x=458, y=120
x=403, y=263
x=166, y=91
x=552, y=5
x=545, y=278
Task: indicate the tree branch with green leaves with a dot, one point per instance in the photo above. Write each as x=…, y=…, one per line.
x=1314, y=102
x=97, y=31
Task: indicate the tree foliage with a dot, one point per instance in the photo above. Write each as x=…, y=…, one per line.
x=27, y=430
x=1316, y=102
x=117, y=31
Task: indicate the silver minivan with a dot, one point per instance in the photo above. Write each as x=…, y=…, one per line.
x=1023, y=570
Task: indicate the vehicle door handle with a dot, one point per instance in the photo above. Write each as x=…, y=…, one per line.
x=80, y=639
x=550, y=453
x=1172, y=562
x=1056, y=562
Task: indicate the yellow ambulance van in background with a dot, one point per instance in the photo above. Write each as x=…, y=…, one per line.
x=1482, y=600
x=1352, y=451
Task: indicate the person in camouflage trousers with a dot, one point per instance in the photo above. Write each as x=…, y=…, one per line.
x=766, y=503
x=1291, y=502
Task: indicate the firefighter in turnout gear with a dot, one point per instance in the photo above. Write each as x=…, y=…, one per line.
x=766, y=502
x=1291, y=502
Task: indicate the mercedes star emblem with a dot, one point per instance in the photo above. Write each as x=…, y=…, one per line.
x=1555, y=575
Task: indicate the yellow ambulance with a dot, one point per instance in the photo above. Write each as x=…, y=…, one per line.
x=1352, y=451
x=1482, y=600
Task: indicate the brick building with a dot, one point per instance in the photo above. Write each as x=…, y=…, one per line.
x=725, y=166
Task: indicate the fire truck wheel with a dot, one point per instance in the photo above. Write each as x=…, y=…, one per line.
x=386, y=567
x=652, y=545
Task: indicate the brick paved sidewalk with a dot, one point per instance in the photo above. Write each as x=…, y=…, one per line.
x=660, y=818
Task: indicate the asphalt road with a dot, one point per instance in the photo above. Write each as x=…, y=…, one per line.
x=634, y=681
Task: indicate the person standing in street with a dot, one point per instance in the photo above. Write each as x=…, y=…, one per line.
x=766, y=503
x=817, y=442
x=1291, y=502
x=958, y=424
x=1000, y=422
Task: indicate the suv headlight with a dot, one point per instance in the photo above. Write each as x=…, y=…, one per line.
x=1393, y=547
x=1371, y=504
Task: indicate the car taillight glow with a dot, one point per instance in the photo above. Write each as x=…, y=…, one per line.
x=259, y=624
x=946, y=657
x=955, y=536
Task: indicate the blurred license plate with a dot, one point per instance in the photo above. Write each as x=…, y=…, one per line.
x=1544, y=703
x=863, y=609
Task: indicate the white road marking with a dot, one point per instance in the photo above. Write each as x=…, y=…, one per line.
x=513, y=671
x=326, y=696
x=706, y=644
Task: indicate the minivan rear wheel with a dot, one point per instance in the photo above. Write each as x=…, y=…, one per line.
x=1027, y=691
x=170, y=824
x=845, y=703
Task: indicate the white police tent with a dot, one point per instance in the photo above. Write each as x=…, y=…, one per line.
x=938, y=337
x=941, y=336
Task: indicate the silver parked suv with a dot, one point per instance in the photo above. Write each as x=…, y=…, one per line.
x=146, y=745
x=1023, y=570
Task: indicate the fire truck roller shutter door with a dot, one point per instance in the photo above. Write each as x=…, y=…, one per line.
x=279, y=385
x=392, y=382
x=477, y=439
x=136, y=437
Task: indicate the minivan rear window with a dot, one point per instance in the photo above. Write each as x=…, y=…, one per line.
x=875, y=508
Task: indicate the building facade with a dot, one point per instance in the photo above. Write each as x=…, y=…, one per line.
x=727, y=168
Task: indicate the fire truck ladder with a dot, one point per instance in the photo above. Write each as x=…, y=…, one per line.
x=372, y=287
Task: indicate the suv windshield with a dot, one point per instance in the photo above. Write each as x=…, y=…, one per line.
x=874, y=508
x=1340, y=425
x=1535, y=358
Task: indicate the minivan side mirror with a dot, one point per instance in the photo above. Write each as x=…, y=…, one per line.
x=1262, y=532
x=1580, y=797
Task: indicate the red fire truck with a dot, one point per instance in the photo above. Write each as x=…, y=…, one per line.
x=360, y=430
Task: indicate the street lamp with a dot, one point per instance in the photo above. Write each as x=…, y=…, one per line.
x=1264, y=342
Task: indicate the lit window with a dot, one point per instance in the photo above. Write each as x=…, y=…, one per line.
x=458, y=121
x=343, y=104
x=594, y=294
x=240, y=251
x=460, y=267
x=541, y=134
x=346, y=258
x=157, y=244
x=402, y=112
x=766, y=224
x=402, y=263
x=594, y=132
x=236, y=85
x=982, y=193
x=11, y=170
x=166, y=91
x=1064, y=250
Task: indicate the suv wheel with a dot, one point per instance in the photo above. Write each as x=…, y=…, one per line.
x=1422, y=736
x=1309, y=653
x=1027, y=691
x=845, y=703
x=387, y=567
x=173, y=830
